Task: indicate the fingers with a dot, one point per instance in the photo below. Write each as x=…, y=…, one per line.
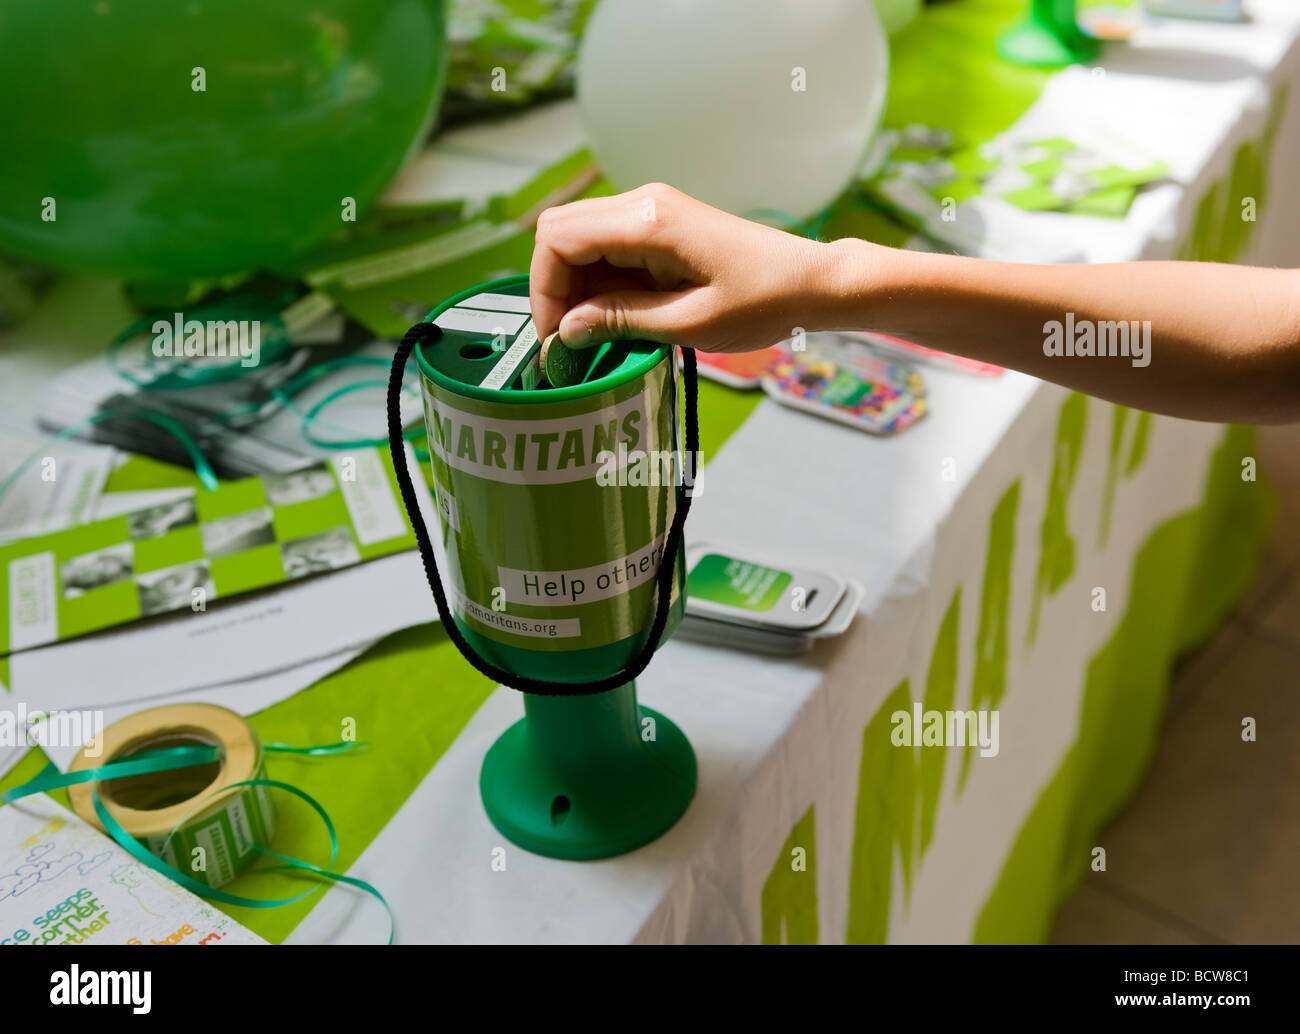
x=630, y=231
x=665, y=316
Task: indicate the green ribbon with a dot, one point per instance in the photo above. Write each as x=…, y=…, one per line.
x=180, y=375
x=284, y=394
x=201, y=465
x=175, y=758
x=139, y=764
x=310, y=420
x=342, y=747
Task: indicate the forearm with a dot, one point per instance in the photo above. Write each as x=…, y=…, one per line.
x=1204, y=341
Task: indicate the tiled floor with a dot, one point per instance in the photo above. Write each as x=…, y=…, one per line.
x=1209, y=849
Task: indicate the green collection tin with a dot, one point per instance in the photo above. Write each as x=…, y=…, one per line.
x=554, y=507
x=545, y=493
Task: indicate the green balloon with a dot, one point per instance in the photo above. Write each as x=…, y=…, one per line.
x=167, y=139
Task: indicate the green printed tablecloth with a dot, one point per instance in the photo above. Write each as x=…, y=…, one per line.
x=811, y=823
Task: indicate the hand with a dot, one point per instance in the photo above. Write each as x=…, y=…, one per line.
x=658, y=265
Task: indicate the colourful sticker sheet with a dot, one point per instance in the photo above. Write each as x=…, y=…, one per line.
x=841, y=381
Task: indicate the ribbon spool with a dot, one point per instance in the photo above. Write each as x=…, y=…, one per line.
x=165, y=811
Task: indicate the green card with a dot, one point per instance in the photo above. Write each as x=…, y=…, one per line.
x=736, y=583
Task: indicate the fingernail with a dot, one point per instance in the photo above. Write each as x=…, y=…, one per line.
x=576, y=332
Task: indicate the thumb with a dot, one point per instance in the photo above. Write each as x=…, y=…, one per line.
x=651, y=315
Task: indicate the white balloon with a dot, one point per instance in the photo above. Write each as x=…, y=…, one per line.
x=753, y=106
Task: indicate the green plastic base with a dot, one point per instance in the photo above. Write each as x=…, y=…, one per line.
x=1045, y=41
x=585, y=777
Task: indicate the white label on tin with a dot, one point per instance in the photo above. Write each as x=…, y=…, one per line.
x=475, y=321
x=514, y=624
x=505, y=369
x=539, y=452
x=582, y=584
x=501, y=302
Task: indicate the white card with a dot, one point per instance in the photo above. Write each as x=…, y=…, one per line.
x=59, y=489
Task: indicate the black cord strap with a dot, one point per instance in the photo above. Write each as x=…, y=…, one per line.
x=663, y=577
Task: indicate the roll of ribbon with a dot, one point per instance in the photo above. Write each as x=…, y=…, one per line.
x=185, y=791
x=195, y=818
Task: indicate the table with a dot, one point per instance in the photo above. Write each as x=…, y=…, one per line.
x=982, y=537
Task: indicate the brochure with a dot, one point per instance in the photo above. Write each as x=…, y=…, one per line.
x=183, y=554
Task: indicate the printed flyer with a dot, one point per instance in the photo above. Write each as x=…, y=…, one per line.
x=62, y=882
x=185, y=553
